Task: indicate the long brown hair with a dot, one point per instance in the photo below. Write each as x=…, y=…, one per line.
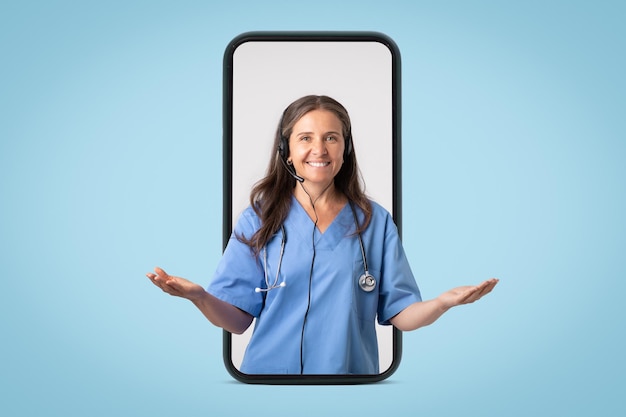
x=270, y=198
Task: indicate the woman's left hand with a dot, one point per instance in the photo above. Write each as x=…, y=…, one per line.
x=467, y=294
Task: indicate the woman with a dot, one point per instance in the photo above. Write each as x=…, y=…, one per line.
x=313, y=260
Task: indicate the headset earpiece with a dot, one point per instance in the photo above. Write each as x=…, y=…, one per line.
x=283, y=147
x=348, y=145
x=283, y=142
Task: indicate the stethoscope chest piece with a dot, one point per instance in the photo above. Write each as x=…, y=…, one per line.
x=367, y=282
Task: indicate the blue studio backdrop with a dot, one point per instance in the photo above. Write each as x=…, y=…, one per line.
x=111, y=163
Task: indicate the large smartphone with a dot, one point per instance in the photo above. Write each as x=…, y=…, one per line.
x=263, y=73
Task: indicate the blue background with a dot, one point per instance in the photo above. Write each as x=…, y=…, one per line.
x=110, y=163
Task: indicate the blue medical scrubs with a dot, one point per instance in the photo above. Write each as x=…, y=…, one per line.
x=339, y=334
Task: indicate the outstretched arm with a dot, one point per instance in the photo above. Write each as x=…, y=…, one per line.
x=423, y=313
x=220, y=313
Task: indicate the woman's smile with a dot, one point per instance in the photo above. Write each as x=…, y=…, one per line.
x=318, y=164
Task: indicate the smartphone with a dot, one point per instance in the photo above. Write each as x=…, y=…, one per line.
x=263, y=73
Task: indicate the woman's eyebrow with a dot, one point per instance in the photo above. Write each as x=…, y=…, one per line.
x=332, y=132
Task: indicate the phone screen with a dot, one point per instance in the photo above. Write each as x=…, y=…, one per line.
x=263, y=73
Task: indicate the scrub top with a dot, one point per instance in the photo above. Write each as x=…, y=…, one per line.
x=321, y=321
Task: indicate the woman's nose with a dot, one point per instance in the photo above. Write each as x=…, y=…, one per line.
x=319, y=146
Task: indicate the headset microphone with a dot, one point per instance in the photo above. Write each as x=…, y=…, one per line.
x=291, y=171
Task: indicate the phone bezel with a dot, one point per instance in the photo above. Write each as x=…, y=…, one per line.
x=295, y=36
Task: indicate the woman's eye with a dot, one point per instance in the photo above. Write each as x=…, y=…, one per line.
x=331, y=138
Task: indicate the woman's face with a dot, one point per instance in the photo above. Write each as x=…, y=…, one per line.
x=316, y=146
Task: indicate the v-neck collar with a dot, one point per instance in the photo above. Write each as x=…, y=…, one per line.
x=340, y=227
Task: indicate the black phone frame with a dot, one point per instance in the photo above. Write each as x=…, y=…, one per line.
x=309, y=36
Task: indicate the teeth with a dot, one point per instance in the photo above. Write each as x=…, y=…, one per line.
x=319, y=164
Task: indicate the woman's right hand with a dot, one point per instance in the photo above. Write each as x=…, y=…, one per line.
x=177, y=286
x=220, y=313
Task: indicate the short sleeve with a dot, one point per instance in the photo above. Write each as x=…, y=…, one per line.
x=239, y=271
x=398, y=287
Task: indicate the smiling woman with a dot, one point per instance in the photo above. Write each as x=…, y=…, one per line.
x=314, y=140
x=343, y=269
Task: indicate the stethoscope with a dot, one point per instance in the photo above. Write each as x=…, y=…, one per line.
x=366, y=282
x=268, y=286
